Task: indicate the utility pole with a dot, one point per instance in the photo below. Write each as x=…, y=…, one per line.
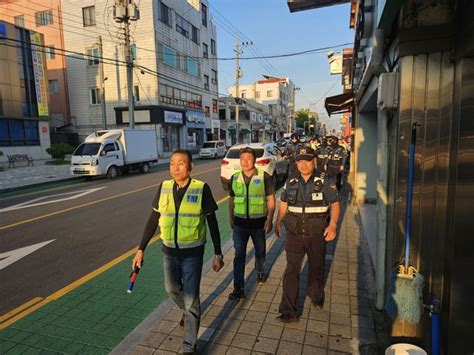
x=102, y=88
x=124, y=12
x=238, y=74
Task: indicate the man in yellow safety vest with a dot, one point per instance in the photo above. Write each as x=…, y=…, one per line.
x=181, y=207
x=251, y=207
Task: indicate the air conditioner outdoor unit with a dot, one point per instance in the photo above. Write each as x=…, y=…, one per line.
x=388, y=92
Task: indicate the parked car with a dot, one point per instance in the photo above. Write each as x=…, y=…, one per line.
x=212, y=149
x=268, y=157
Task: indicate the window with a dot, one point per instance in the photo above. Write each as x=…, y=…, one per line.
x=136, y=93
x=44, y=18
x=257, y=94
x=242, y=94
x=165, y=14
x=20, y=21
x=204, y=14
x=214, y=76
x=207, y=111
x=213, y=46
x=192, y=67
x=195, y=36
x=169, y=56
x=18, y=132
x=109, y=147
x=94, y=94
x=49, y=52
x=92, y=56
x=269, y=93
x=214, y=106
x=53, y=87
x=88, y=16
x=182, y=26
x=205, y=50
x=179, y=97
x=206, y=82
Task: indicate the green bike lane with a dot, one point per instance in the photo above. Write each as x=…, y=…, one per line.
x=97, y=315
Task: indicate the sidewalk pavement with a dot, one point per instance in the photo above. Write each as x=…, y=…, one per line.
x=40, y=173
x=344, y=325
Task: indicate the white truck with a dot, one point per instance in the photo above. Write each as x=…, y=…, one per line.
x=116, y=151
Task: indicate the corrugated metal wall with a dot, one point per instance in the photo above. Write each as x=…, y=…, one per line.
x=437, y=92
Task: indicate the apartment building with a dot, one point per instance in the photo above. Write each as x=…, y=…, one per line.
x=277, y=93
x=24, y=111
x=173, y=45
x=45, y=17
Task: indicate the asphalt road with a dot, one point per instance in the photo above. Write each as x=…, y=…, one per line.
x=88, y=224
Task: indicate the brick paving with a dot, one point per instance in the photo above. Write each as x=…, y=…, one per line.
x=344, y=325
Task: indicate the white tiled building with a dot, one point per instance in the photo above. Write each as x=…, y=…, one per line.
x=277, y=93
x=175, y=70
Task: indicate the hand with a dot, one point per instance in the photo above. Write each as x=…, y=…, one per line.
x=217, y=264
x=330, y=232
x=268, y=225
x=278, y=229
x=137, y=260
x=341, y=168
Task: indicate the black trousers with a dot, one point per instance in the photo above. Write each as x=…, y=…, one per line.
x=296, y=247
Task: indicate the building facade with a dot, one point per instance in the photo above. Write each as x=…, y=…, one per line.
x=24, y=106
x=46, y=18
x=278, y=94
x=413, y=78
x=173, y=45
x=254, y=121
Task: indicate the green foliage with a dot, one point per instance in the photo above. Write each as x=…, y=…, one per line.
x=301, y=116
x=59, y=150
x=58, y=162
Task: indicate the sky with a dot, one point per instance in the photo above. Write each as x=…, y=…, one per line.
x=274, y=30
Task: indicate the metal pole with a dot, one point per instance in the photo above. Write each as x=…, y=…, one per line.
x=237, y=94
x=102, y=80
x=129, y=61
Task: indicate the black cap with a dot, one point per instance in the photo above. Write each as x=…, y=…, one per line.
x=305, y=153
x=294, y=136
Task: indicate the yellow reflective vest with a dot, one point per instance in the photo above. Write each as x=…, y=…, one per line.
x=190, y=217
x=251, y=202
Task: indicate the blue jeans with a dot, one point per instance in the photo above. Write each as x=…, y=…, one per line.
x=240, y=237
x=182, y=281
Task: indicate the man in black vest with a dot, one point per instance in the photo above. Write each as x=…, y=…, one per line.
x=336, y=161
x=290, y=153
x=309, y=209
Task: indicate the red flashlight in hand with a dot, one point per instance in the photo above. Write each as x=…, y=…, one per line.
x=133, y=278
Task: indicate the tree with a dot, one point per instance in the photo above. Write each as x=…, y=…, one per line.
x=301, y=116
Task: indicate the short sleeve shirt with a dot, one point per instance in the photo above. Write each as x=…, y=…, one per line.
x=330, y=194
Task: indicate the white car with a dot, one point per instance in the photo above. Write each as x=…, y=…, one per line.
x=268, y=157
x=212, y=149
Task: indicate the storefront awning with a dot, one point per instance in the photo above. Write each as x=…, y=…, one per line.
x=339, y=103
x=301, y=5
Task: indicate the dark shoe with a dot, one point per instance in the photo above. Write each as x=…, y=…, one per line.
x=318, y=303
x=181, y=322
x=237, y=294
x=286, y=318
x=261, y=278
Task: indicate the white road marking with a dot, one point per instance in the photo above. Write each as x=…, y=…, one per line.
x=12, y=256
x=35, y=202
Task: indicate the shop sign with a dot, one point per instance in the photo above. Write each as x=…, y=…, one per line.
x=195, y=116
x=253, y=116
x=173, y=117
x=216, y=124
x=44, y=129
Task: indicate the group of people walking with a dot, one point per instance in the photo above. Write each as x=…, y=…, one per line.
x=308, y=209
x=331, y=156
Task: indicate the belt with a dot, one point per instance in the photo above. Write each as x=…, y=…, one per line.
x=308, y=209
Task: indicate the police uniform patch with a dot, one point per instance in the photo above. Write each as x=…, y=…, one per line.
x=317, y=196
x=257, y=181
x=192, y=198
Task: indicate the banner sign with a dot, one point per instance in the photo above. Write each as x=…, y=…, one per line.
x=173, y=117
x=39, y=72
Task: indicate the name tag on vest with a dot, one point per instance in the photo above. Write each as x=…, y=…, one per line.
x=192, y=198
x=317, y=196
x=257, y=181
